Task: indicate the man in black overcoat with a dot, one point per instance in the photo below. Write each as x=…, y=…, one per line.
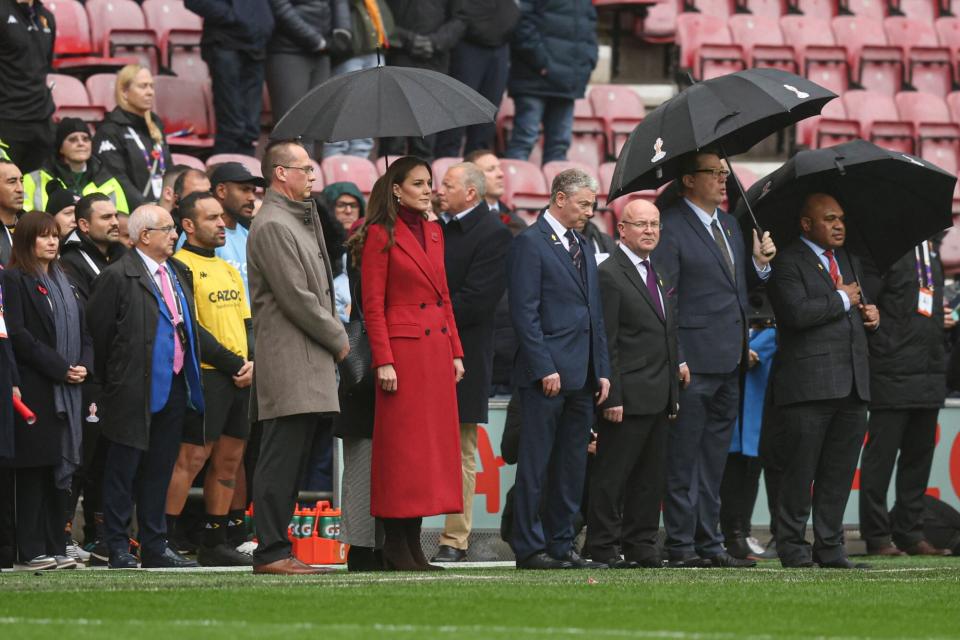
x=476, y=245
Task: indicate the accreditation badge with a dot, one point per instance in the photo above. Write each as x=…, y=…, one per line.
x=3, y=323
x=925, y=302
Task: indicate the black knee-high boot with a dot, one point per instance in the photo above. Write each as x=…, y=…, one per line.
x=396, y=551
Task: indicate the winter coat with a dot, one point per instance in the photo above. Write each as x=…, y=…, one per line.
x=559, y=36
x=364, y=32
x=440, y=20
x=306, y=26
x=238, y=25
x=122, y=157
x=26, y=56
x=96, y=179
x=490, y=23
x=78, y=268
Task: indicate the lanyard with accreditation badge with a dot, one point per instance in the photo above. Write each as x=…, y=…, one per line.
x=925, y=279
x=157, y=165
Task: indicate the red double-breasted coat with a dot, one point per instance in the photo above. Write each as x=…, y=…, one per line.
x=409, y=320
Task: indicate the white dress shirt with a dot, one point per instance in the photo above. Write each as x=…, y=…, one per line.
x=447, y=217
x=558, y=229
x=707, y=219
x=825, y=261
x=637, y=260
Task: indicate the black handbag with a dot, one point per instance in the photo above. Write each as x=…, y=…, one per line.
x=355, y=370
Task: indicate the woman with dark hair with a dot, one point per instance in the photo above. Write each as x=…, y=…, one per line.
x=53, y=352
x=418, y=360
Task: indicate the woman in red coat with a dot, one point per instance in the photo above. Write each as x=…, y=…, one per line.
x=418, y=360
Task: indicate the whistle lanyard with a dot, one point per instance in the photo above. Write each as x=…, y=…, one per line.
x=924, y=267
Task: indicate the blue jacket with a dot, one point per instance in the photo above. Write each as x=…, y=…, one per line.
x=559, y=36
x=558, y=320
x=240, y=25
x=746, y=432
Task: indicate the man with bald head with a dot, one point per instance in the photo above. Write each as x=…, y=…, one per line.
x=820, y=383
x=475, y=248
x=142, y=318
x=626, y=486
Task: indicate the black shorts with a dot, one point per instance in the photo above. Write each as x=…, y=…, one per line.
x=226, y=411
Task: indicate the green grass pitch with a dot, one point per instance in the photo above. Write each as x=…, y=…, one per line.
x=898, y=598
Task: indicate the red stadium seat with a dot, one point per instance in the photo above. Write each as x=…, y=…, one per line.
x=90, y=114
x=879, y=119
x=182, y=105
x=589, y=134
x=588, y=150
x=920, y=10
x=820, y=9
x=551, y=169
x=67, y=91
x=117, y=26
x=772, y=9
x=948, y=32
x=620, y=108
x=190, y=161
x=660, y=24
x=943, y=152
x=719, y=8
x=359, y=171
x=874, y=65
x=250, y=163
x=187, y=64
x=873, y=9
x=440, y=167
x=176, y=27
x=696, y=32
x=928, y=65
x=931, y=122
x=818, y=56
x=605, y=176
x=762, y=42
x=74, y=48
x=524, y=185
x=101, y=87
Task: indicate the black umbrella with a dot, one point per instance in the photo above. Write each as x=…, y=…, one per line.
x=892, y=200
x=732, y=112
x=384, y=101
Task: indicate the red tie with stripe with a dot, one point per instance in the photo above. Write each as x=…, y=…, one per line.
x=834, y=269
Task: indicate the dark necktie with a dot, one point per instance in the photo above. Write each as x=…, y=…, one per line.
x=722, y=245
x=576, y=254
x=652, y=287
x=834, y=268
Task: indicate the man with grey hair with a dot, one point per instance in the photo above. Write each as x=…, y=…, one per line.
x=475, y=248
x=142, y=319
x=562, y=368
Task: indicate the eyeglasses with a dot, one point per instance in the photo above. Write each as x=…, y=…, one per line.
x=717, y=172
x=168, y=229
x=307, y=169
x=644, y=226
x=347, y=205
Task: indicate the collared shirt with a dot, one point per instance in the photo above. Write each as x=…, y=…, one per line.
x=495, y=207
x=447, y=217
x=825, y=261
x=637, y=260
x=153, y=267
x=558, y=229
x=707, y=220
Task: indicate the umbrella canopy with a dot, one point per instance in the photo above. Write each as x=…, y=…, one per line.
x=734, y=112
x=892, y=201
x=384, y=101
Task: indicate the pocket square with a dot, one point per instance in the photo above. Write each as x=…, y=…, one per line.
x=671, y=292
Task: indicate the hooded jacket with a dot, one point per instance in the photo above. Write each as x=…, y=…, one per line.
x=96, y=179
x=76, y=256
x=117, y=146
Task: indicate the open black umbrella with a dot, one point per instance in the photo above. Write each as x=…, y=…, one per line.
x=732, y=112
x=384, y=101
x=892, y=200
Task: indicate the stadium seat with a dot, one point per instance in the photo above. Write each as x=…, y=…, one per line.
x=948, y=33
x=101, y=87
x=772, y=9
x=67, y=91
x=762, y=42
x=921, y=10
x=187, y=64
x=873, y=64
x=117, y=26
x=879, y=119
x=250, y=163
x=620, y=108
x=92, y=115
x=177, y=27
x=660, y=24
x=705, y=46
x=605, y=176
x=190, y=161
x=73, y=48
x=182, y=105
x=934, y=131
x=873, y=9
x=928, y=65
x=953, y=103
x=820, y=9
x=524, y=185
x=818, y=56
x=440, y=166
x=359, y=171
x=551, y=169
x=589, y=134
x=830, y=128
x=719, y=8
x=588, y=150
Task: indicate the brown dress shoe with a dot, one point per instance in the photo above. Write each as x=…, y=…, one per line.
x=885, y=550
x=924, y=548
x=290, y=567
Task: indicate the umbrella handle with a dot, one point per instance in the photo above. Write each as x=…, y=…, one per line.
x=743, y=195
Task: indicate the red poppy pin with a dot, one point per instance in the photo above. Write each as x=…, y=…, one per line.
x=504, y=218
x=435, y=236
x=155, y=154
x=42, y=289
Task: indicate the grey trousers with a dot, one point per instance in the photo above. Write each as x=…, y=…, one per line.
x=290, y=76
x=357, y=526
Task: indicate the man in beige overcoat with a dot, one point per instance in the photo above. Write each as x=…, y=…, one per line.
x=298, y=340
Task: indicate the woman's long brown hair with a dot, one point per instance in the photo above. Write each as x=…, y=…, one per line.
x=23, y=253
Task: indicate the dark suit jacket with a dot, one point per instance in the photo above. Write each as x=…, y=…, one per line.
x=643, y=348
x=822, y=353
x=475, y=258
x=711, y=307
x=557, y=317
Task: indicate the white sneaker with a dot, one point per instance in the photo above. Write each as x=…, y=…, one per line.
x=248, y=547
x=66, y=562
x=40, y=563
x=78, y=553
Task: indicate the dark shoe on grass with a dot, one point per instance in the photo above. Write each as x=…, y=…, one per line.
x=542, y=561
x=169, y=559
x=690, y=562
x=924, y=548
x=844, y=563
x=727, y=561
x=223, y=555
x=122, y=560
x=885, y=550
x=446, y=553
x=576, y=562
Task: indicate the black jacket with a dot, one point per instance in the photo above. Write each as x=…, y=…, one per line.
x=475, y=257
x=32, y=333
x=822, y=349
x=238, y=25
x=306, y=26
x=490, y=23
x=907, y=351
x=122, y=157
x=440, y=20
x=123, y=314
x=602, y=242
x=356, y=406
x=80, y=272
x=26, y=57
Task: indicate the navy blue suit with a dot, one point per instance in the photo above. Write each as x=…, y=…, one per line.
x=711, y=313
x=558, y=318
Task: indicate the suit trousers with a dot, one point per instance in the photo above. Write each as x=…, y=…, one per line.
x=912, y=435
x=457, y=526
x=553, y=449
x=738, y=495
x=39, y=512
x=627, y=479
x=697, y=447
x=132, y=475
x=284, y=454
x=820, y=442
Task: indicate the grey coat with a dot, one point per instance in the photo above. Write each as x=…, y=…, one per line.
x=295, y=326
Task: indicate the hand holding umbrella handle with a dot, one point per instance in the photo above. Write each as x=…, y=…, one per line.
x=24, y=411
x=743, y=196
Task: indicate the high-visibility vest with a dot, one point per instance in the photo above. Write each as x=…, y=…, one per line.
x=35, y=191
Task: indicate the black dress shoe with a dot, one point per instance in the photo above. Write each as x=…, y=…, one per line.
x=122, y=561
x=690, y=562
x=800, y=564
x=576, y=562
x=223, y=555
x=169, y=559
x=542, y=561
x=738, y=548
x=726, y=561
x=648, y=563
x=844, y=563
x=446, y=553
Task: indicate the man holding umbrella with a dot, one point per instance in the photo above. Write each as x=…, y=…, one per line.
x=702, y=255
x=821, y=383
